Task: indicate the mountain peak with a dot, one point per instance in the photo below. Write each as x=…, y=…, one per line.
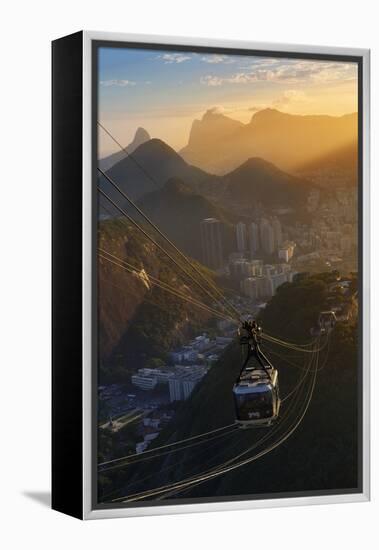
x=267, y=115
x=158, y=148
x=257, y=165
x=212, y=125
x=213, y=113
x=140, y=137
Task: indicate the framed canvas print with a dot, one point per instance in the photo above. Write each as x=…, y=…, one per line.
x=210, y=275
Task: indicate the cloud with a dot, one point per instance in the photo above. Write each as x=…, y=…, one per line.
x=217, y=110
x=174, y=57
x=212, y=80
x=290, y=71
x=217, y=58
x=290, y=96
x=117, y=82
x=287, y=98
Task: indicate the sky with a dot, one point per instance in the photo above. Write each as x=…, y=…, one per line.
x=164, y=91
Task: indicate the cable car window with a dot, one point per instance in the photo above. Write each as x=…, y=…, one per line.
x=254, y=405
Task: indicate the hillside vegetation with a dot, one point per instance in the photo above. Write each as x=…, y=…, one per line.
x=137, y=320
x=322, y=455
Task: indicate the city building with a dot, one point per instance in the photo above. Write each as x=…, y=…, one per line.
x=241, y=237
x=277, y=229
x=211, y=231
x=144, y=381
x=239, y=268
x=267, y=237
x=253, y=239
x=266, y=285
x=274, y=282
x=184, y=381
x=286, y=251
x=147, y=379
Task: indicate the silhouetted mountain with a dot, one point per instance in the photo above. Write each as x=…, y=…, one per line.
x=260, y=181
x=198, y=195
x=178, y=210
x=286, y=140
x=152, y=164
x=205, y=135
x=140, y=137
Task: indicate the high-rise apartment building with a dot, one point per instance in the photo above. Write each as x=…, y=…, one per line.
x=241, y=237
x=211, y=231
x=267, y=236
x=277, y=228
x=253, y=239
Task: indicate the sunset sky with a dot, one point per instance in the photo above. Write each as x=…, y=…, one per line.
x=164, y=91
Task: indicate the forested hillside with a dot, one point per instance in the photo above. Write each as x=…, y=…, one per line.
x=322, y=454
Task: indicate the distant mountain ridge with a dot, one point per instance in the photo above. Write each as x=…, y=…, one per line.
x=156, y=170
x=153, y=163
x=140, y=137
x=284, y=139
x=257, y=180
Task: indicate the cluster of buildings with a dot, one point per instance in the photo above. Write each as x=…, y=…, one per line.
x=264, y=236
x=265, y=284
x=261, y=238
x=201, y=349
x=150, y=427
x=330, y=231
x=191, y=363
x=258, y=238
x=181, y=379
x=332, y=234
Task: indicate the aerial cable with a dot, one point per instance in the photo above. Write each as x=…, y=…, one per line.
x=160, y=247
x=136, y=269
x=206, y=279
x=216, y=473
x=176, y=293
x=149, y=451
x=139, y=458
x=158, y=282
x=288, y=346
x=213, y=473
x=304, y=376
x=182, y=256
x=132, y=203
x=199, y=452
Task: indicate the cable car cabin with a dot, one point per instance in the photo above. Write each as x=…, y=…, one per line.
x=256, y=391
x=256, y=396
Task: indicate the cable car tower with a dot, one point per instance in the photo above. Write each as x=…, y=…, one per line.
x=256, y=390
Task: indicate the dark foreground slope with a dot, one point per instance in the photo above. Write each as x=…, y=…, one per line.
x=321, y=456
x=137, y=320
